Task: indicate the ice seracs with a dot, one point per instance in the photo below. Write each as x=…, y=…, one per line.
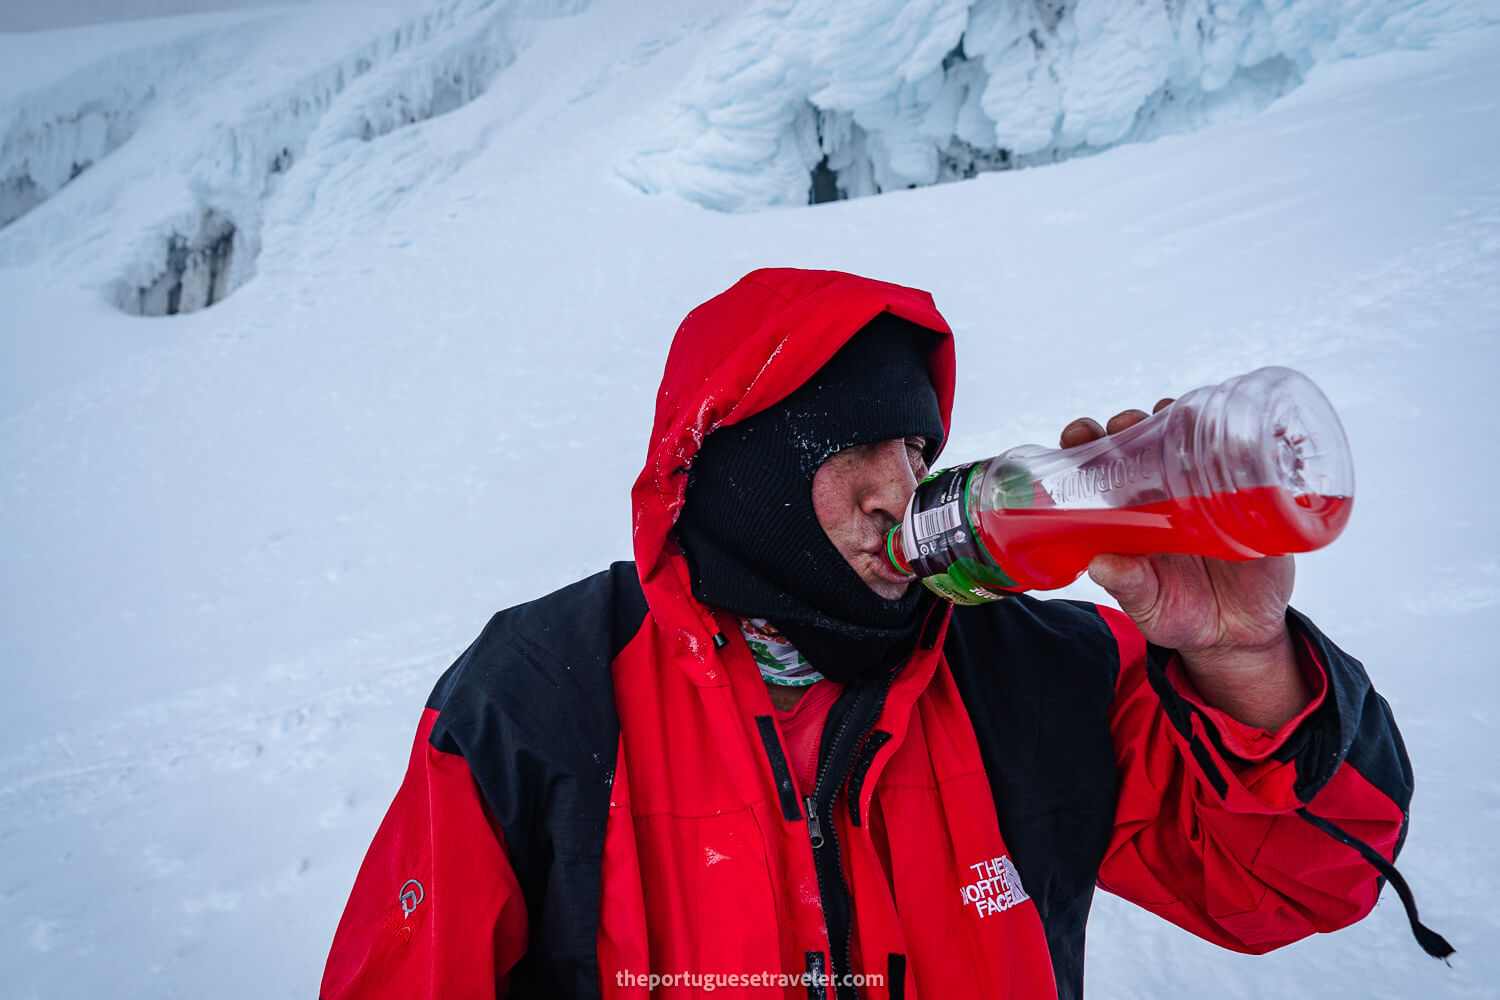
x=183, y=230
x=817, y=100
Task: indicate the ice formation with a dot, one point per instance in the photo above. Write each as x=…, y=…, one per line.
x=195, y=221
x=239, y=546
x=815, y=100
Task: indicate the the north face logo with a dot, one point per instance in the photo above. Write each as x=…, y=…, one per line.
x=411, y=895
x=998, y=887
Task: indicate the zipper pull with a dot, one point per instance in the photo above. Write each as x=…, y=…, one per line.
x=814, y=828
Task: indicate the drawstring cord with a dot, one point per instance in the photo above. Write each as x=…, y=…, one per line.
x=1432, y=942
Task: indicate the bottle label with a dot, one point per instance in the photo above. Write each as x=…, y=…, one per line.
x=948, y=555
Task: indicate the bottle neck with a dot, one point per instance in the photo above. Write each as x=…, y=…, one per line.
x=893, y=551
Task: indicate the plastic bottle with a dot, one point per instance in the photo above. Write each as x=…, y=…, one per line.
x=1256, y=466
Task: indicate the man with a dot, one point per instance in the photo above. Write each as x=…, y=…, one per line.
x=757, y=758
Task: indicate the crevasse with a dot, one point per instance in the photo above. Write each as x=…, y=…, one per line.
x=817, y=100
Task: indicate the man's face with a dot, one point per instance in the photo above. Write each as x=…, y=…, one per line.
x=859, y=494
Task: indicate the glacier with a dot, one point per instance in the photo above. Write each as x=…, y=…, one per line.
x=816, y=100
x=198, y=212
x=240, y=542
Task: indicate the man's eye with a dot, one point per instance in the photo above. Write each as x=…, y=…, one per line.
x=915, y=449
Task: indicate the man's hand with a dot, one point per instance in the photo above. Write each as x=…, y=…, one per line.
x=1226, y=619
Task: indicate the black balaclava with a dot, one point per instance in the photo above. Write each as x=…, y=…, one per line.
x=748, y=529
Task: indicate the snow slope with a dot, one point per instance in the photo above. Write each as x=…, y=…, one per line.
x=240, y=543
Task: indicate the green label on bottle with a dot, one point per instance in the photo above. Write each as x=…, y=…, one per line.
x=950, y=559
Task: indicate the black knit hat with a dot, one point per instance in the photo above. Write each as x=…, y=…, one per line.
x=748, y=527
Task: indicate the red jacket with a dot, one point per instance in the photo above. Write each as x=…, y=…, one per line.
x=598, y=792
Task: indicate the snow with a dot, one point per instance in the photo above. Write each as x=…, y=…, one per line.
x=239, y=544
x=891, y=94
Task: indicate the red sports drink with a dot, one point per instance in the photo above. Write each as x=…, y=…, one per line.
x=1256, y=466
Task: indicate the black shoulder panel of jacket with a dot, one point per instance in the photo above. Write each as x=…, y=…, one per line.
x=1037, y=678
x=1353, y=724
x=530, y=705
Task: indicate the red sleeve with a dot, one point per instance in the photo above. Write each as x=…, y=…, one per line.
x=1206, y=831
x=1246, y=743
x=436, y=911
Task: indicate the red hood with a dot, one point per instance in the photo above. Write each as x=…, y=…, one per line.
x=733, y=356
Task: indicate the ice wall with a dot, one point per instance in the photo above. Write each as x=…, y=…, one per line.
x=418, y=69
x=813, y=100
x=51, y=135
x=238, y=147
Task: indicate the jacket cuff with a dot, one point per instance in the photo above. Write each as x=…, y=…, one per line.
x=1251, y=743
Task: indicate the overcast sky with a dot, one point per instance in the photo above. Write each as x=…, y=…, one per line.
x=37, y=15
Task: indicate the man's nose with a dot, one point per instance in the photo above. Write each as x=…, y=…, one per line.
x=890, y=482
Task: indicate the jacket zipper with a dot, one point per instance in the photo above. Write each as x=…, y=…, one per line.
x=864, y=705
x=814, y=828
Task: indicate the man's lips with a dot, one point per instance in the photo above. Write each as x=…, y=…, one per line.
x=883, y=567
